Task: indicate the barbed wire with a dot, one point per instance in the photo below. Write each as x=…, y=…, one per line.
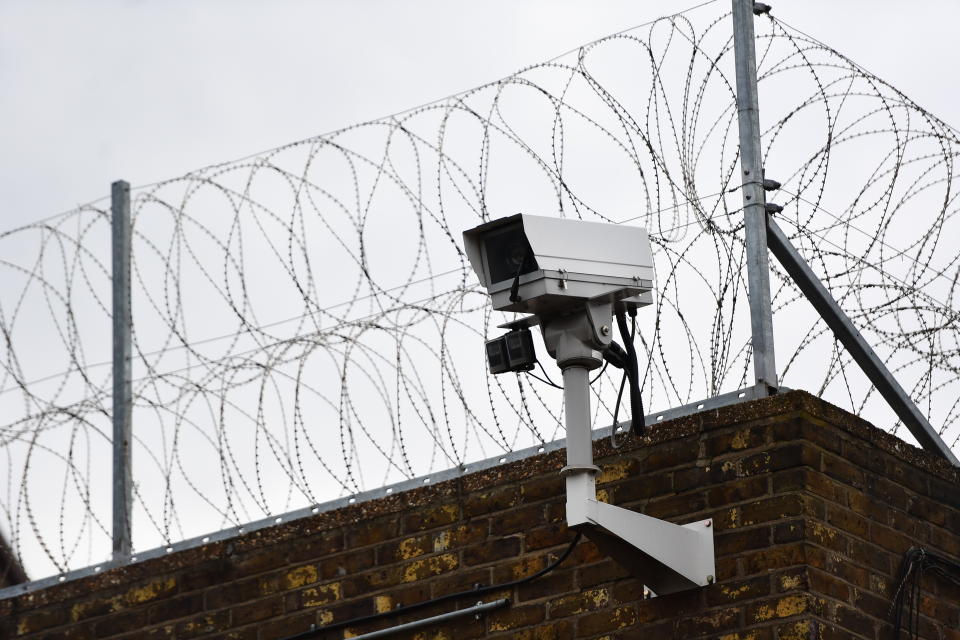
x=306, y=325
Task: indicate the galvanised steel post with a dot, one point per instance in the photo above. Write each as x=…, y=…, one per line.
x=754, y=200
x=122, y=384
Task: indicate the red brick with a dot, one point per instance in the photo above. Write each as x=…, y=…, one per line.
x=462, y=580
x=774, y=558
x=738, y=491
x=549, y=536
x=666, y=508
x=431, y=518
x=364, y=534
x=551, y=585
x=404, y=549
x=737, y=591
x=518, y=519
x=703, y=476
x=43, y=619
x=718, y=444
x=514, y=617
x=582, y=602
x=122, y=622
x=604, y=571
x=543, y=487
x=492, y=551
x=498, y=499
x=257, y=611
x=773, y=508
x=179, y=607
x=738, y=540
x=346, y=564
x=671, y=454
x=810, y=522
x=709, y=623
x=642, y=488
x=855, y=621
x=615, y=619
x=319, y=545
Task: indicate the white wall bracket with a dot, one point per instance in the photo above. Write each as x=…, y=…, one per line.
x=667, y=557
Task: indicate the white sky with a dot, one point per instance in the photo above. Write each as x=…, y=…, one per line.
x=96, y=91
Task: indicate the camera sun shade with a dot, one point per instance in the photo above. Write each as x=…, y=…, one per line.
x=542, y=265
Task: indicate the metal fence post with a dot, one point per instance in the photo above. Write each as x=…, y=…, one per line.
x=850, y=337
x=122, y=384
x=754, y=200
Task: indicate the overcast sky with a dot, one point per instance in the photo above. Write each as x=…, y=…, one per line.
x=96, y=91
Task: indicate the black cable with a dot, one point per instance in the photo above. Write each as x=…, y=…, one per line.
x=633, y=374
x=600, y=373
x=515, y=287
x=546, y=375
x=616, y=412
x=917, y=561
x=547, y=382
x=478, y=591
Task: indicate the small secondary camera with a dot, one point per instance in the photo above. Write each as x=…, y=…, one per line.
x=511, y=352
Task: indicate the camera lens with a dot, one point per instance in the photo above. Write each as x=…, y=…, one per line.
x=517, y=255
x=508, y=254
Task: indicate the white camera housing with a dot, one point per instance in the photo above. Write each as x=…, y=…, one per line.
x=560, y=263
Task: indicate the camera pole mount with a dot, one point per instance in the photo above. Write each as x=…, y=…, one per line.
x=667, y=557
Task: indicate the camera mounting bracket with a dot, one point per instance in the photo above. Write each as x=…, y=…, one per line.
x=667, y=557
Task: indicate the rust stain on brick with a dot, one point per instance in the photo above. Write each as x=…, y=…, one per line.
x=790, y=582
x=741, y=440
x=419, y=569
x=786, y=607
x=614, y=471
x=204, y=624
x=382, y=604
x=411, y=548
x=449, y=511
x=526, y=567
x=301, y=576
x=88, y=608
x=734, y=592
x=797, y=631
x=324, y=594
x=623, y=617
x=734, y=517
x=593, y=600
x=150, y=591
x=823, y=533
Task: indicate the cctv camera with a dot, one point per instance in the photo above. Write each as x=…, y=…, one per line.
x=540, y=265
x=574, y=277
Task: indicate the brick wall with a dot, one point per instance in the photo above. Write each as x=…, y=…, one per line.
x=813, y=510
